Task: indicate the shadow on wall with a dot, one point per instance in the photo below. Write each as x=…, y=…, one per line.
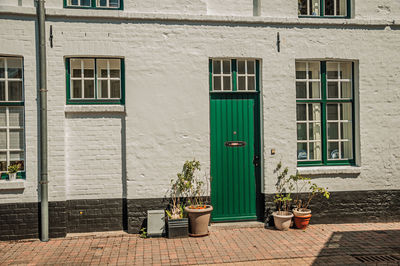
x=355, y=247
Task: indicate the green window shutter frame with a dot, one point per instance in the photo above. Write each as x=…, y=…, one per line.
x=93, y=6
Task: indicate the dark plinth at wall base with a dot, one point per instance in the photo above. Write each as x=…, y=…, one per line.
x=349, y=207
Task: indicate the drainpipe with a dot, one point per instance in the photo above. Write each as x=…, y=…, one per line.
x=44, y=204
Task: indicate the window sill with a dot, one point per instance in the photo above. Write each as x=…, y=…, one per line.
x=94, y=109
x=12, y=185
x=329, y=170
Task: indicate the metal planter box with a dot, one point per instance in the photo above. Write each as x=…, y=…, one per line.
x=177, y=228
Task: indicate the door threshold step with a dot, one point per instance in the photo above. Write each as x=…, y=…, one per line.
x=236, y=225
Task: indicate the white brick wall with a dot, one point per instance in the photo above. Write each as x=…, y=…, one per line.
x=167, y=101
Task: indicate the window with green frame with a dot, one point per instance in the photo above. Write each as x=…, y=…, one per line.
x=325, y=113
x=324, y=8
x=98, y=4
x=228, y=75
x=95, y=81
x=12, y=144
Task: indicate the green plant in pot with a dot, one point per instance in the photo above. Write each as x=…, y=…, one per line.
x=177, y=223
x=12, y=171
x=284, y=187
x=305, y=192
x=198, y=212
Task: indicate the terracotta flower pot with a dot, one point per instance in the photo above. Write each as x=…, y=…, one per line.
x=302, y=222
x=301, y=212
x=199, y=220
x=282, y=220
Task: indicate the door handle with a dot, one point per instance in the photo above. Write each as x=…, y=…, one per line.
x=256, y=160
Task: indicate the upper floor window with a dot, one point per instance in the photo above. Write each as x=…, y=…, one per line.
x=325, y=113
x=12, y=145
x=234, y=75
x=324, y=8
x=100, y=4
x=95, y=80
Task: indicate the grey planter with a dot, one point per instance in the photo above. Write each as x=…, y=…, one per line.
x=177, y=228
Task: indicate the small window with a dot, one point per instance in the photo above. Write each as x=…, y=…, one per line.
x=227, y=75
x=100, y=4
x=95, y=80
x=324, y=8
x=324, y=113
x=12, y=139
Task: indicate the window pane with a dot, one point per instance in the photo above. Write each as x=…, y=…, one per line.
x=314, y=112
x=314, y=90
x=314, y=131
x=217, y=83
x=347, y=150
x=341, y=7
x=332, y=111
x=88, y=68
x=16, y=139
x=333, y=130
x=313, y=70
x=2, y=91
x=115, y=89
x=3, y=121
x=314, y=7
x=102, y=68
x=3, y=139
x=315, y=150
x=301, y=91
x=2, y=70
x=14, y=67
x=85, y=2
x=114, y=3
x=216, y=67
x=89, y=89
x=250, y=66
x=346, y=111
x=300, y=70
x=345, y=89
x=74, y=2
x=332, y=70
x=227, y=83
x=103, y=89
x=333, y=90
x=333, y=150
x=302, y=7
x=3, y=161
x=251, y=86
x=17, y=158
x=301, y=131
x=242, y=83
x=302, y=151
x=346, y=130
x=301, y=112
x=345, y=70
x=241, y=67
x=16, y=116
x=76, y=68
x=102, y=2
x=329, y=7
x=76, y=89
x=15, y=90
x=227, y=67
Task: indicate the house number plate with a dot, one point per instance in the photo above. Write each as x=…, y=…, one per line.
x=235, y=143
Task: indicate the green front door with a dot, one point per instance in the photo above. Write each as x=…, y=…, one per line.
x=234, y=155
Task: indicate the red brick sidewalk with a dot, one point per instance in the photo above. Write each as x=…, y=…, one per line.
x=319, y=244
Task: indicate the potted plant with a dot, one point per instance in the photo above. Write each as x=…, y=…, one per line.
x=284, y=186
x=305, y=192
x=177, y=224
x=12, y=171
x=198, y=212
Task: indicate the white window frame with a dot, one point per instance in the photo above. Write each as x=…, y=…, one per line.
x=82, y=78
x=222, y=75
x=109, y=79
x=246, y=75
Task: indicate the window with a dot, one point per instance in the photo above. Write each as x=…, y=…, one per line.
x=11, y=115
x=100, y=4
x=95, y=80
x=324, y=8
x=325, y=113
x=229, y=75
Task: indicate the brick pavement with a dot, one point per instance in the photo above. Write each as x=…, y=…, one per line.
x=319, y=244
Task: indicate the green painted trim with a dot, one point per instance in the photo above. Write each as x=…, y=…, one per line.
x=257, y=75
x=210, y=70
x=353, y=117
x=95, y=101
x=12, y=103
x=93, y=6
x=348, y=15
x=230, y=218
x=20, y=175
x=322, y=12
x=234, y=74
x=323, y=113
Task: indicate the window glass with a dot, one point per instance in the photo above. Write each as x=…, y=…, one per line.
x=330, y=7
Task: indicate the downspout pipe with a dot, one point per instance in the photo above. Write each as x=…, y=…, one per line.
x=44, y=204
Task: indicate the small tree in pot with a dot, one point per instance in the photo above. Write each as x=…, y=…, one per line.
x=284, y=187
x=12, y=171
